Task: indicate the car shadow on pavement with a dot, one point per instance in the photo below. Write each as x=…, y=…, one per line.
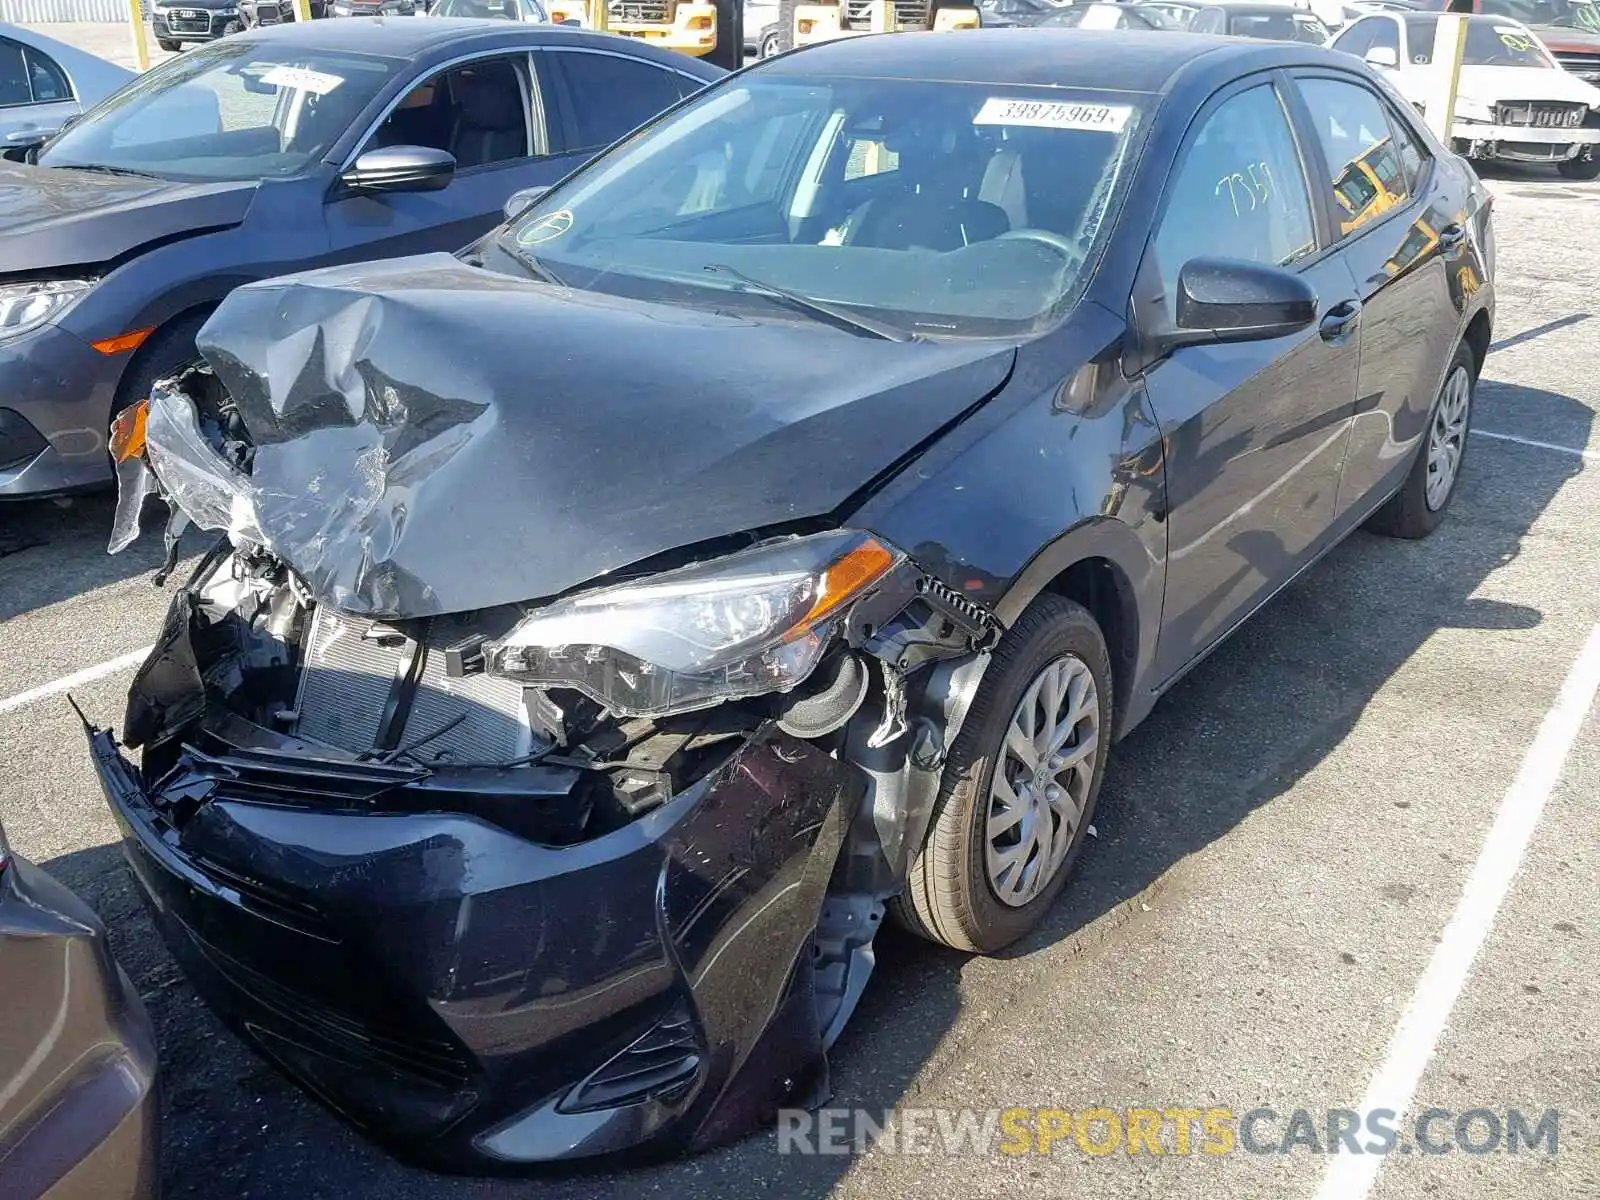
x=53, y=550
x=1242, y=729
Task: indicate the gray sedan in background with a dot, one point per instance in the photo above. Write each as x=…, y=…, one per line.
x=78, y=1104
x=44, y=82
x=270, y=151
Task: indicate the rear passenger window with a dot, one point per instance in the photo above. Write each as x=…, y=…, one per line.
x=1368, y=172
x=1412, y=156
x=49, y=84
x=611, y=96
x=14, y=87
x=1240, y=191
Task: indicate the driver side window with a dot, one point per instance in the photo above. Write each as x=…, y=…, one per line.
x=1240, y=191
x=477, y=112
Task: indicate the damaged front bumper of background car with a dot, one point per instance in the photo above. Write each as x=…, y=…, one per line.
x=536, y=881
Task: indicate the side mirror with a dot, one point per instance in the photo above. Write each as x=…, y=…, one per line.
x=1384, y=58
x=1223, y=300
x=401, y=169
x=1229, y=300
x=521, y=200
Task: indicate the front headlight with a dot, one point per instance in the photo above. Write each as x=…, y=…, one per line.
x=1473, y=110
x=26, y=306
x=749, y=624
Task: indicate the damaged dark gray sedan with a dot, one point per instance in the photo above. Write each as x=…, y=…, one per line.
x=769, y=531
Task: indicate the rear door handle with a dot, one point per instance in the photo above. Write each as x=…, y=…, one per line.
x=1452, y=236
x=1340, y=321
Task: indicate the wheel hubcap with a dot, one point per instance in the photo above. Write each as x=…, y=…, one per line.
x=1447, y=438
x=1041, y=782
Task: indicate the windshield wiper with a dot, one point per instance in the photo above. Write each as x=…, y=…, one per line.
x=103, y=170
x=816, y=308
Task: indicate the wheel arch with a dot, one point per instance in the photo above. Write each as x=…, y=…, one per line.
x=1102, y=566
x=1477, y=338
x=153, y=344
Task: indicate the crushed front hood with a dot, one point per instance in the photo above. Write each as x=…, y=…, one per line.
x=434, y=438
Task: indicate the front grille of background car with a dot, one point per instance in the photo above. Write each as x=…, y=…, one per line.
x=1539, y=114
x=186, y=24
x=1584, y=64
x=650, y=11
x=908, y=14
x=351, y=668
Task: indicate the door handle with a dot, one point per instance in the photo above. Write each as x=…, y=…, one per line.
x=1340, y=321
x=1452, y=236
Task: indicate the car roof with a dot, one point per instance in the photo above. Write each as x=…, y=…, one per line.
x=408, y=37
x=1257, y=6
x=1112, y=60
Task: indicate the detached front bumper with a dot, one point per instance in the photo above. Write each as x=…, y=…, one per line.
x=56, y=393
x=1523, y=143
x=475, y=1000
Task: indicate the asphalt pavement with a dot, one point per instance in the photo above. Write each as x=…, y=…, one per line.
x=1292, y=856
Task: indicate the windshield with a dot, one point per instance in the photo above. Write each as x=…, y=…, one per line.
x=1490, y=43
x=1565, y=14
x=935, y=208
x=229, y=110
x=498, y=10
x=1278, y=27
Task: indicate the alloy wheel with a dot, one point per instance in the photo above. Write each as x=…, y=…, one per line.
x=1041, y=780
x=1447, y=438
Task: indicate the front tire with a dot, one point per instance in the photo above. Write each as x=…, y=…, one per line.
x=770, y=45
x=1418, y=508
x=170, y=47
x=1580, y=168
x=1020, y=785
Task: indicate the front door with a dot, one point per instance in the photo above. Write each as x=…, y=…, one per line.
x=487, y=113
x=1255, y=431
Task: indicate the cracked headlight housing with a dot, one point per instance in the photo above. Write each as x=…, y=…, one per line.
x=26, y=306
x=749, y=624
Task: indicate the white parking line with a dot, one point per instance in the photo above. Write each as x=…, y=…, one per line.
x=1350, y=1176
x=76, y=679
x=1593, y=455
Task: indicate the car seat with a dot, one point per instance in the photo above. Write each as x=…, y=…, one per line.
x=489, y=125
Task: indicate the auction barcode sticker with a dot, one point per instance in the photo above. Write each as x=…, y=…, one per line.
x=1052, y=114
x=318, y=83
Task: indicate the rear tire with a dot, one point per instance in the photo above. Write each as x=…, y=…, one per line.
x=770, y=43
x=785, y=28
x=729, y=52
x=1580, y=168
x=954, y=887
x=1418, y=508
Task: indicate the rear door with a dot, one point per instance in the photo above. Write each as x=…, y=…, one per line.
x=34, y=94
x=487, y=111
x=1255, y=431
x=1391, y=209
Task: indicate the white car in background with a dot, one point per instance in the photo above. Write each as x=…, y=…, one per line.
x=1513, y=103
x=44, y=83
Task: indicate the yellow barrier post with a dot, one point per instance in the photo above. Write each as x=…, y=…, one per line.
x=302, y=10
x=599, y=15
x=141, y=44
x=1439, y=106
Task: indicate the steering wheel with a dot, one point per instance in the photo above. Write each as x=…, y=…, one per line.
x=1063, y=246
